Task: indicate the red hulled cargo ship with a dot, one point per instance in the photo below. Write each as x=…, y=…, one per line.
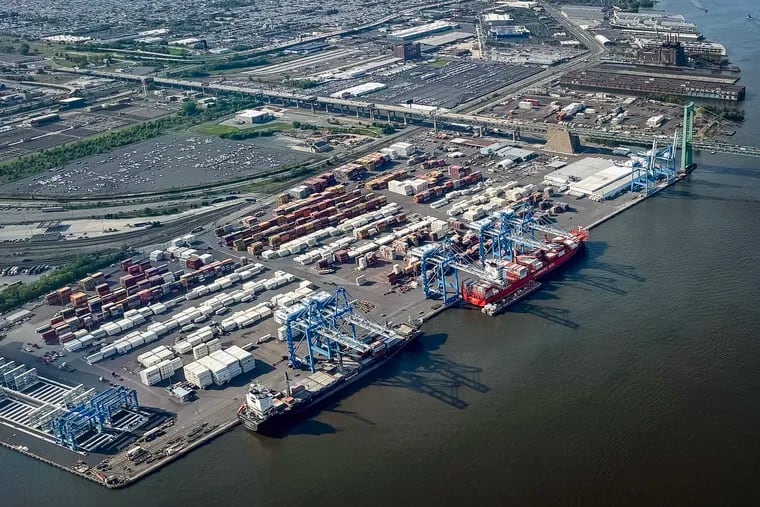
x=523, y=274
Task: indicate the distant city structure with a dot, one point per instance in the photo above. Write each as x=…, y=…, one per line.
x=190, y=42
x=508, y=32
x=416, y=32
x=408, y=51
x=668, y=53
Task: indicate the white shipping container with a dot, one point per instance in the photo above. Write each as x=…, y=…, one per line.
x=182, y=347
x=200, y=351
x=157, y=308
x=176, y=363
x=72, y=345
x=150, y=376
x=214, y=345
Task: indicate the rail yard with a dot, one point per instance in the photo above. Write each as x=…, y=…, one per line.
x=308, y=238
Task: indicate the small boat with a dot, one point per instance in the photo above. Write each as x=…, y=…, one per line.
x=749, y=16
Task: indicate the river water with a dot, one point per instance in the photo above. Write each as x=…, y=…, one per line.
x=632, y=379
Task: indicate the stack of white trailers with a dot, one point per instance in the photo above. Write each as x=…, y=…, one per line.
x=219, y=367
x=160, y=364
x=194, y=339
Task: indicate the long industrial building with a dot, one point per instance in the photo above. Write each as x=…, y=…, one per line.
x=610, y=80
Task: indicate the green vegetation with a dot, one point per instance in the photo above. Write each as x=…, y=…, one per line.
x=17, y=295
x=233, y=64
x=260, y=131
x=626, y=5
x=237, y=134
x=216, y=130
x=303, y=84
x=44, y=160
x=439, y=63
x=725, y=113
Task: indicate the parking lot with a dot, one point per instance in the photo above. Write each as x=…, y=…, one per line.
x=171, y=161
x=453, y=83
x=77, y=124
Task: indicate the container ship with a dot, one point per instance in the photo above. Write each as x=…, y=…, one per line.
x=269, y=411
x=521, y=276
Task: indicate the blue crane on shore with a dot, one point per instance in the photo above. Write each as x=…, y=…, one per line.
x=331, y=328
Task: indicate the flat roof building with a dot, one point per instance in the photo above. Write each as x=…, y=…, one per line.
x=416, y=32
x=254, y=116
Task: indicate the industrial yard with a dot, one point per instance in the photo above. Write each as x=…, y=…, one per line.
x=420, y=160
x=166, y=332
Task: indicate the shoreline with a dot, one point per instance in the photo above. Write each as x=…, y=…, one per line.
x=224, y=427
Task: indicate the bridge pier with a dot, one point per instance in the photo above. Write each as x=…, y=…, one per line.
x=687, y=155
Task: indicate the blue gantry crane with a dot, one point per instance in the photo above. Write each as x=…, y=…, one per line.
x=330, y=327
x=93, y=415
x=505, y=233
x=75, y=423
x=112, y=400
x=654, y=167
x=440, y=267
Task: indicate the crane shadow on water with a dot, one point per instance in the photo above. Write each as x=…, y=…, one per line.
x=419, y=369
x=605, y=283
x=435, y=374
x=549, y=313
x=623, y=270
x=686, y=194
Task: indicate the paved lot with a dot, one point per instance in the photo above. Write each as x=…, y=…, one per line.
x=167, y=162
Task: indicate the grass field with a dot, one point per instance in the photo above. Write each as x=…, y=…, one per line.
x=218, y=130
x=439, y=63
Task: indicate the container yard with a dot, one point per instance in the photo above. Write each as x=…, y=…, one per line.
x=249, y=309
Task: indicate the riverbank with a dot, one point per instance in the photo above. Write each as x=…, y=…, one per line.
x=223, y=420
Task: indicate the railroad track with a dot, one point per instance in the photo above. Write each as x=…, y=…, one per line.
x=61, y=251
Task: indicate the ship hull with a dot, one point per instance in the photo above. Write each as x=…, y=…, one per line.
x=276, y=424
x=535, y=276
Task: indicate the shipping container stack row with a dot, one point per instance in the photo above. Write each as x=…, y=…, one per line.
x=275, y=237
x=349, y=172
x=389, y=247
x=432, y=177
x=294, y=214
x=432, y=164
x=86, y=312
x=494, y=197
x=251, y=316
x=299, y=245
x=381, y=182
x=388, y=211
x=315, y=202
x=372, y=161
x=440, y=190
x=187, y=317
x=89, y=283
